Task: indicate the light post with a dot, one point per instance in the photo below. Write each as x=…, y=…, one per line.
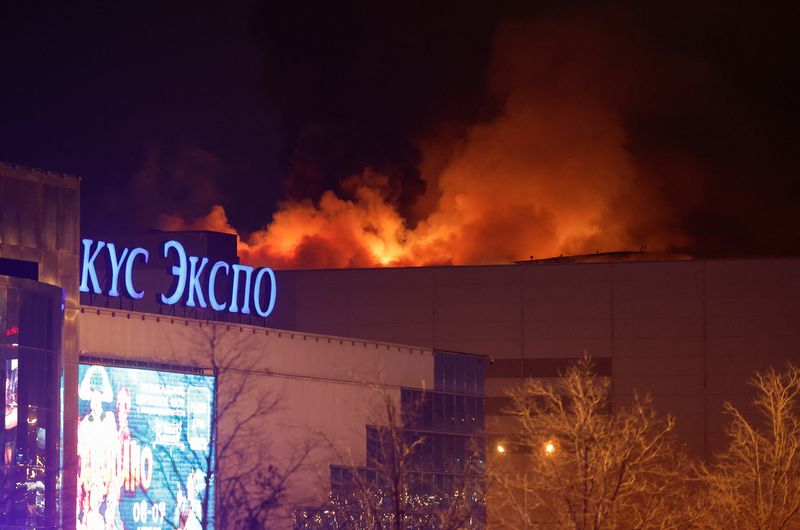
x=549, y=447
x=502, y=450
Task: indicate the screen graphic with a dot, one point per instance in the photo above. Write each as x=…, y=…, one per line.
x=12, y=382
x=144, y=444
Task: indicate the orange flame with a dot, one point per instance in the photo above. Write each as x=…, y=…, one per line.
x=550, y=176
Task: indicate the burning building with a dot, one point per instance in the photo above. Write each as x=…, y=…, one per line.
x=137, y=329
x=147, y=388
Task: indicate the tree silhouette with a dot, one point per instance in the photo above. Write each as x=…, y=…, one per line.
x=755, y=482
x=576, y=464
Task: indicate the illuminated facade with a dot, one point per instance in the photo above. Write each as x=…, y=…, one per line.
x=145, y=336
x=327, y=386
x=144, y=445
x=31, y=320
x=688, y=332
x=38, y=337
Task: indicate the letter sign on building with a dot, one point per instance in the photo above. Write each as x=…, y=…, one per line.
x=251, y=289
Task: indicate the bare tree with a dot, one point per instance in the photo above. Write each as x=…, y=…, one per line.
x=755, y=482
x=578, y=466
x=388, y=493
x=251, y=482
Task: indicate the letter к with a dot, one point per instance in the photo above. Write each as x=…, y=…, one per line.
x=88, y=266
x=194, y=281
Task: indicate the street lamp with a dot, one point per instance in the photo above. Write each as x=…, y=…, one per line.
x=501, y=450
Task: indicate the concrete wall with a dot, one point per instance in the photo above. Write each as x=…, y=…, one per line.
x=688, y=332
x=328, y=388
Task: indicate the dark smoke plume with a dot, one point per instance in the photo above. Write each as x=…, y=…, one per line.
x=478, y=132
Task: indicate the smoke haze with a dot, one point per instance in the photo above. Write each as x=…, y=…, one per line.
x=360, y=133
x=550, y=173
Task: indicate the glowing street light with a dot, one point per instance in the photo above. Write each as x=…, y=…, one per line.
x=501, y=449
x=549, y=447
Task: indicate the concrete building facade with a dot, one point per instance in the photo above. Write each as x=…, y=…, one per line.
x=690, y=332
x=326, y=390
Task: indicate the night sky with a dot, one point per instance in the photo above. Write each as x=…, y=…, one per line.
x=357, y=133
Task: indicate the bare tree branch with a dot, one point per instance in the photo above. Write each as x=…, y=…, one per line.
x=578, y=466
x=251, y=484
x=382, y=494
x=755, y=482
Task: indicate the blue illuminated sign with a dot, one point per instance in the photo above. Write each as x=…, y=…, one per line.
x=250, y=287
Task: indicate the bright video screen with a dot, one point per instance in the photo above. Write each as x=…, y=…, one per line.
x=144, y=445
x=12, y=382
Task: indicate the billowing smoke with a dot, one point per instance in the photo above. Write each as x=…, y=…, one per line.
x=587, y=134
x=550, y=175
x=181, y=180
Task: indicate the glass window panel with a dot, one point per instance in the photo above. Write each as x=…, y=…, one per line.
x=439, y=453
x=409, y=439
x=427, y=410
x=427, y=453
x=460, y=373
x=449, y=413
x=480, y=369
x=373, y=447
x=449, y=369
x=406, y=398
x=452, y=454
x=427, y=484
x=439, y=411
x=460, y=414
x=412, y=404
x=438, y=371
x=471, y=413
x=472, y=383
x=460, y=453
x=445, y=452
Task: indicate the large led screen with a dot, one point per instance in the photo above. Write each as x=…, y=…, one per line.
x=144, y=445
x=12, y=382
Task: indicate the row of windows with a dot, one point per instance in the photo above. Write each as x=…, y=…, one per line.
x=438, y=411
x=462, y=374
x=432, y=452
x=443, y=429
x=445, y=453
